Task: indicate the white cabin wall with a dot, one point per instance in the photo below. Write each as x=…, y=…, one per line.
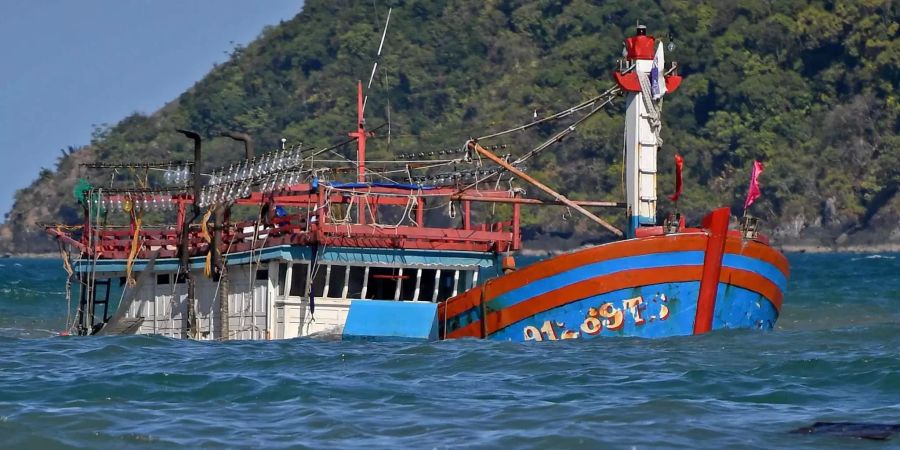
x=262, y=309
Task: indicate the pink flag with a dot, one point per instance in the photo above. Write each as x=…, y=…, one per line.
x=679, y=167
x=753, y=193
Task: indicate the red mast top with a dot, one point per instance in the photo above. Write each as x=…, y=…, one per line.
x=640, y=46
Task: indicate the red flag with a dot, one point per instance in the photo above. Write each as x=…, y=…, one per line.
x=753, y=193
x=679, y=166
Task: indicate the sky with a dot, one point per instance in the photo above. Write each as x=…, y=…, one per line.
x=67, y=65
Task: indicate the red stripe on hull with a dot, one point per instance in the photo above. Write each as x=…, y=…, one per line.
x=717, y=223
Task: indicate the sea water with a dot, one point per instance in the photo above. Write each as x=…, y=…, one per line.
x=833, y=357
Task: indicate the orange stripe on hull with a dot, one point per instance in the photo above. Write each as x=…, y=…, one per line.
x=755, y=282
x=756, y=250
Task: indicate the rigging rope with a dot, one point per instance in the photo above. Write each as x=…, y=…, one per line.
x=607, y=97
x=587, y=103
x=652, y=110
x=204, y=231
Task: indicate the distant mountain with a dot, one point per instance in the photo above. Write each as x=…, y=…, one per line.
x=808, y=87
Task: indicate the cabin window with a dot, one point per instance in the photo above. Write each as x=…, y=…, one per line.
x=446, y=284
x=466, y=281
x=262, y=275
x=319, y=277
x=355, y=281
x=382, y=283
x=298, y=280
x=181, y=278
x=282, y=278
x=162, y=278
x=336, y=279
x=427, y=285
x=408, y=283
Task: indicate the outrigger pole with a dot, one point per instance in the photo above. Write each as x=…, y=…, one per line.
x=556, y=195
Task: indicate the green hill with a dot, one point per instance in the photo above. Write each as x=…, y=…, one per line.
x=808, y=87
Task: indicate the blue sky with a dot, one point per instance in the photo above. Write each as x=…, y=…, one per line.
x=70, y=64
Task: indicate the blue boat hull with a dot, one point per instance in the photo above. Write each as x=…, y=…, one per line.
x=653, y=311
x=655, y=286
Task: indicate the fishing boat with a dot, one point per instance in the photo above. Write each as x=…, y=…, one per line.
x=410, y=253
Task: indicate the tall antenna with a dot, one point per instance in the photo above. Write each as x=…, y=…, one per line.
x=377, y=57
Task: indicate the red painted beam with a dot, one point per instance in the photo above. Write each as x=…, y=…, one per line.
x=717, y=225
x=407, y=232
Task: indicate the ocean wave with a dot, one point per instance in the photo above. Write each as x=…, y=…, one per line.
x=833, y=357
x=860, y=258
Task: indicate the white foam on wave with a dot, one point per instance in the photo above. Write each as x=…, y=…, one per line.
x=873, y=257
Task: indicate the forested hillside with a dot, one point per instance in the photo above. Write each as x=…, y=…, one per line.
x=808, y=87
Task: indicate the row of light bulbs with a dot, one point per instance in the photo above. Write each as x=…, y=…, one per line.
x=441, y=178
x=136, y=201
x=227, y=192
x=178, y=175
x=446, y=152
x=266, y=164
x=272, y=171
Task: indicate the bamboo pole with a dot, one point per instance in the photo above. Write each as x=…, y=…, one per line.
x=556, y=195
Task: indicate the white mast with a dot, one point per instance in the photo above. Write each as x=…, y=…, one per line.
x=642, y=125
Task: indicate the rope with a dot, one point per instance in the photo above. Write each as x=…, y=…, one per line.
x=204, y=231
x=132, y=254
x=652, y=109
x=610, y=96
x=68, y=267
x=609, y=92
